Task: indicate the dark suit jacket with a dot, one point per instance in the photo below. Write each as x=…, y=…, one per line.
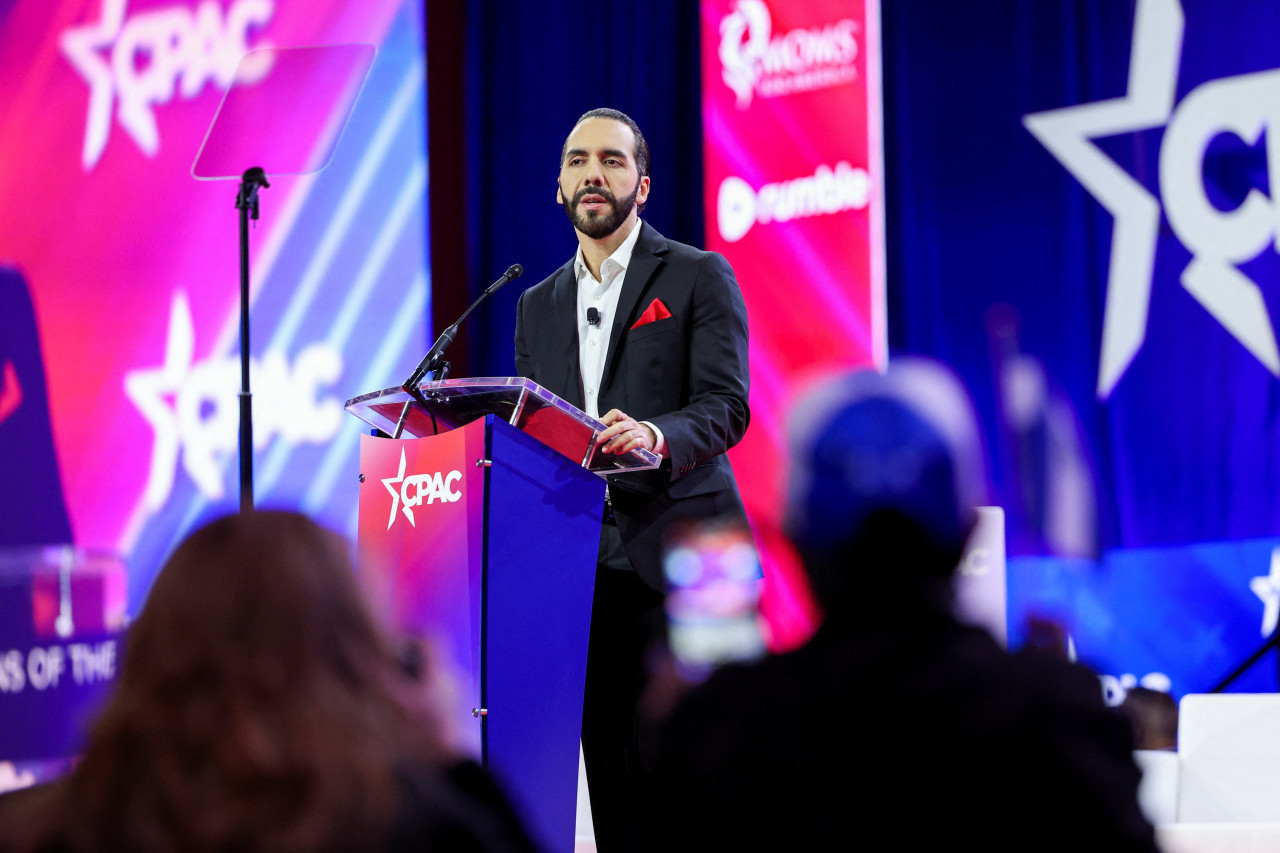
x=916, y=726
x=686, y=373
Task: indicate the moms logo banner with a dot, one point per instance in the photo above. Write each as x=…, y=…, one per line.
x=754, y=59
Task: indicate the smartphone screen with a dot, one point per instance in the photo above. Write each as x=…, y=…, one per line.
x=713, y=579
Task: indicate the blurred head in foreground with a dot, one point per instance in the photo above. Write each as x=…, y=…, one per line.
x=886, y=470
x=257, y=706
x=885, y=474
x=1154, y=717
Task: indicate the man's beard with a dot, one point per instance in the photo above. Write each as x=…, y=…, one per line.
x=593, y=223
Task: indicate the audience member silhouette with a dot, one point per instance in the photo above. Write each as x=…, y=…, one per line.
x=260, y=707
x=895, y=723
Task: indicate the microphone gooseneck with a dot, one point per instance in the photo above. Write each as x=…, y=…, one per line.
x=432, y=360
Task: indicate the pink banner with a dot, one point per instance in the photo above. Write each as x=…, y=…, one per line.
x=794, y=200
x=119, y=272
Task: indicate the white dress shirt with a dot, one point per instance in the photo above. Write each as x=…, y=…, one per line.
x=593, y=341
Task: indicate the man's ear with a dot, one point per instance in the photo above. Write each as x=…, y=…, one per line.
x=643, y=195
x=559, y=193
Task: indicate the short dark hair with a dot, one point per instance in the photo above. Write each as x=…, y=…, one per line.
x=642, y=147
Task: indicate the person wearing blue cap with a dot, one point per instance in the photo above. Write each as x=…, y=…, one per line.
x=895, y=721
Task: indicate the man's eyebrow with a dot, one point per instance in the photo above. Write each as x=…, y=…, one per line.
x=608, y=152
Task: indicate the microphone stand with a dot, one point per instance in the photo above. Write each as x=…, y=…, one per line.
x=247, y=202
x=433, y=362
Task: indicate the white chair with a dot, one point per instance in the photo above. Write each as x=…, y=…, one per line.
x=1228, y=776
x=1229, y=749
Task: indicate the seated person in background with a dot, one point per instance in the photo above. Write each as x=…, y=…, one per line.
x=1154, y=717
x=895, y=721
x=260, y=707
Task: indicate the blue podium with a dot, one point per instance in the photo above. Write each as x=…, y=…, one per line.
x=481, y=533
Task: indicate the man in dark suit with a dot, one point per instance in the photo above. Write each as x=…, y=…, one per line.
x=650, y=336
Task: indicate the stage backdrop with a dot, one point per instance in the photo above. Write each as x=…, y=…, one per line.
x=1082, y=220
x=794, y=199
x=119, y=273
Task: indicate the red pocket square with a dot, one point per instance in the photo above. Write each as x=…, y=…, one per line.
x=655, y=311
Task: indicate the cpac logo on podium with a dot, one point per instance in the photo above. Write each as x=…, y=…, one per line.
x=418, y=489
x=1246, y=106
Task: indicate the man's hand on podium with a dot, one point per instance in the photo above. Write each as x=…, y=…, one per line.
x=625, y=434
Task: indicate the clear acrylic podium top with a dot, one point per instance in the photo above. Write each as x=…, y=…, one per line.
x=521, y=402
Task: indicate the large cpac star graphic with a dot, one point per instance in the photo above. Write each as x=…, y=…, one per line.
x=1068, y=134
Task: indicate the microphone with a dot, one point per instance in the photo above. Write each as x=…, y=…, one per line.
x=513, y=272
x=431, y=361
x=593, y=316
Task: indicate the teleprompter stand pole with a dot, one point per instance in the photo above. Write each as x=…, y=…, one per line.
x=247, y=203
